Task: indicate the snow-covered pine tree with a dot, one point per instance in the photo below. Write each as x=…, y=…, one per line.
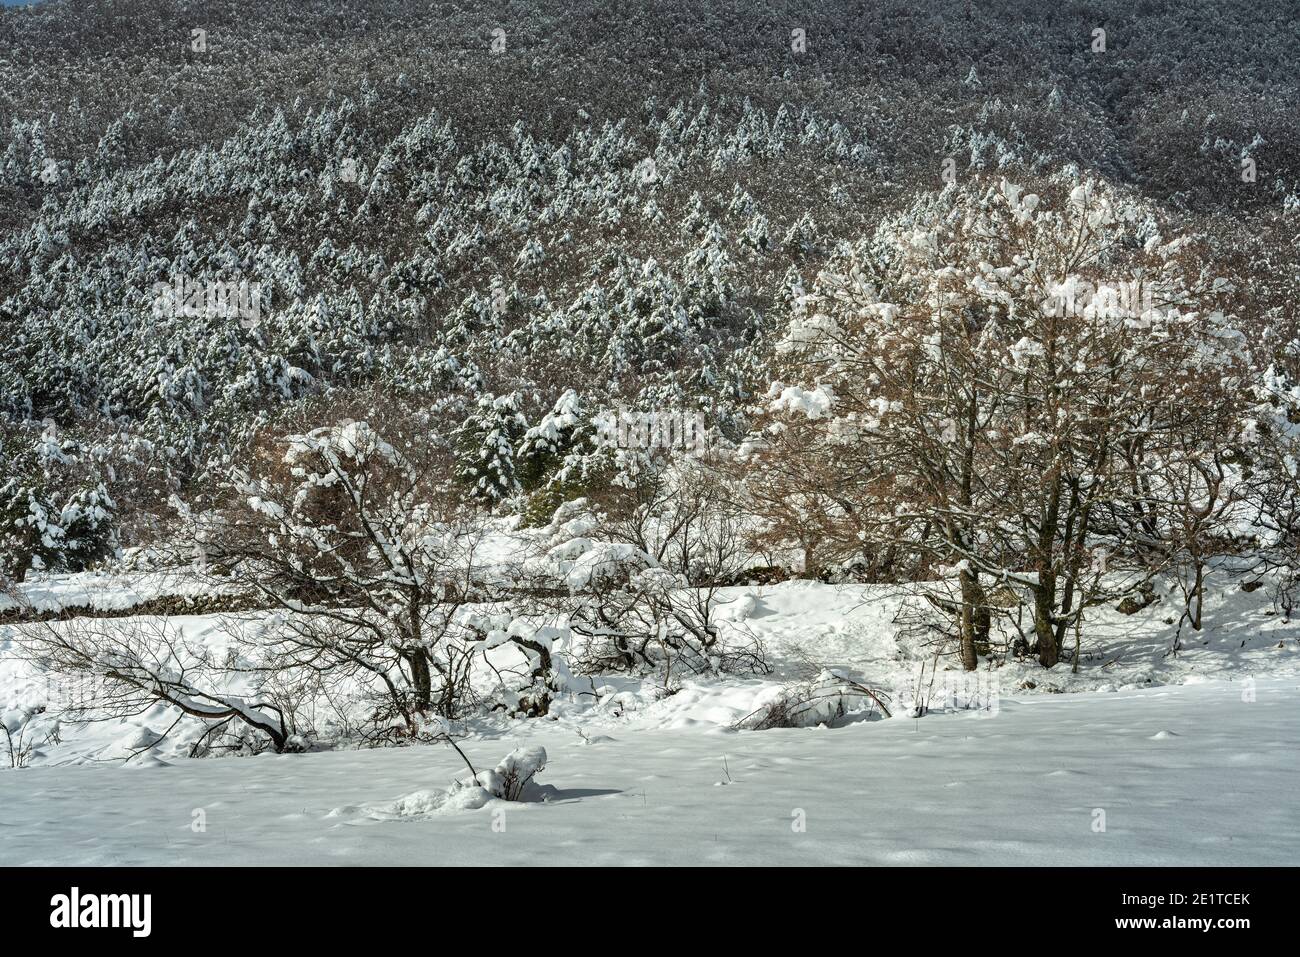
x=486, y=443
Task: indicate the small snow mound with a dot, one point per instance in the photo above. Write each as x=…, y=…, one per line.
x=146, y=759
x=424, y=803
x=738, y=609
x=140, y=739
x=419, y=805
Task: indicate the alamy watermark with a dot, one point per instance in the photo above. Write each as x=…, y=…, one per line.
x=1123, y=298
x=966, y=691
x=669, y=431
x=183, y=296
x=75, y=910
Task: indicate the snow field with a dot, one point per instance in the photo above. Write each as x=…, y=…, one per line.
x=1187, y=775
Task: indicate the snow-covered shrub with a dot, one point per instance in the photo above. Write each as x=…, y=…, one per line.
x=538, y=669
x=46, y=530
x=368, y=550
x=1272, y=440
x=511, y=779
x=122, y=667
x=796, y=497
x=56, y=513
x=644, y=573
x=823, y=700
x=26, y=729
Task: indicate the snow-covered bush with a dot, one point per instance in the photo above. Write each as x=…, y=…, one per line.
x=560, y=459
x=512, y=779
x=46, y=530
x=56, y=513
x=644, y=571
x=1272, y=443
x=368, y=551
x=122, y=667
x=26, y=729
x=823, y=700
x=537, y=671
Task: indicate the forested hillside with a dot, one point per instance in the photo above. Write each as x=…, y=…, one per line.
x=495, y=233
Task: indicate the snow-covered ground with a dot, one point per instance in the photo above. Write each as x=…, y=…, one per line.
x=102, y=591
x=1184, y=775
x=1191, y=757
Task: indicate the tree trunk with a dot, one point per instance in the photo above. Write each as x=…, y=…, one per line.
x=421, y=681
x=1198, y=596
x=971, y=606
x=983, y=623
x=1049, y=649
x=1049, y=652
